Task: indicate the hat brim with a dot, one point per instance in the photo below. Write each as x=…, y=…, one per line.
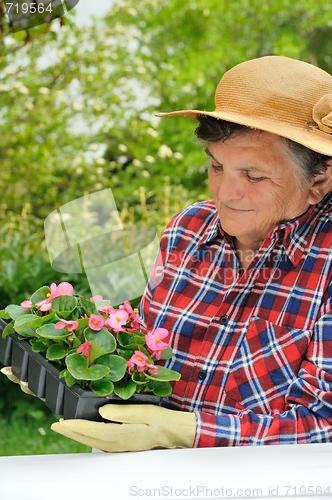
x=308, y=135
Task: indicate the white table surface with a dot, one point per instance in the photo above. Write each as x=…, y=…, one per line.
x=241, y=472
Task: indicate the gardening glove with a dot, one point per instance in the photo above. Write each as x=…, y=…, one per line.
x=24, y=385
x=136, y=428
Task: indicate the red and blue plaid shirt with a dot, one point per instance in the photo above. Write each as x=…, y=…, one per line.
x=254, y=347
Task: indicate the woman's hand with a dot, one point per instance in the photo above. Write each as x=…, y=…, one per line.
x=132, y=427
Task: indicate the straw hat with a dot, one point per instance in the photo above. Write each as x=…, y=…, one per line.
x=276, y=94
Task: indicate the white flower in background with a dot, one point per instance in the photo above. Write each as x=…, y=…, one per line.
x=150, y=159
x=44, y=90
x=123, y=148
x=21, y=88
x=178, y=155
x=137, y=162
x=152, y=132
x=77, y=106
x=165, y=151
x=60, y=95
x=101, y=161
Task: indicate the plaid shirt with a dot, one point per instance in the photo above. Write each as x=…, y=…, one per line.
x=254, y=347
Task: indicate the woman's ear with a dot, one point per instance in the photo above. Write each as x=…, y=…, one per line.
x=321, y=185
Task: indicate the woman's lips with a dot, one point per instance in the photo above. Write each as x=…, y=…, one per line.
x=235, y=210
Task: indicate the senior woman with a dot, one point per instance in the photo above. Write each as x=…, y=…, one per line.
x=245, y=283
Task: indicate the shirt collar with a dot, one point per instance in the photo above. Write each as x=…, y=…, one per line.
x=294, y=234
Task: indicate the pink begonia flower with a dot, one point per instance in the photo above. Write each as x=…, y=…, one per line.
x=69, y=325
x=117, y=320
x=152, y=369
x=96, y=322
x=138, y=359
x=27, y=304
x=108, y=309
x=44, y=305
x=135, y=319
x=84, y=349
x=64, y=288
x=154, y=341
x=96, y=297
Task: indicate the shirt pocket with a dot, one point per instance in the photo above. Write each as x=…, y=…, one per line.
x=268, y=360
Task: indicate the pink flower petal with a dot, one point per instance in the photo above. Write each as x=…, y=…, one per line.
x=96, y=297
x=59, y=325
x=96, y=322
x=64, y=288
x=27, y=304
x=84, y=349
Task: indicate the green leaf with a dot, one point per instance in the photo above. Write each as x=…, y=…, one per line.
x=77, y=366
x=12, y=311
x=125, y=391
x=87, y=305
x=4, y=315
x=161, y=389
x=139, y=338
x=82, y=323
x=164, y=375
x=8, y=330
x=125, y=353
x=56, y=351
x=116, y=364
x=126, y=339
x=15, y=311
x=102, y=342
x=40, y=294
x=38, y=345
x=50, y=332
x=167, y=353
x=69, y=379
x=102, y=387
x=139, y=378
x=64, y=305
x=26, y=324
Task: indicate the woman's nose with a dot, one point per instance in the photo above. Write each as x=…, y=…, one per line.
x=230, y=188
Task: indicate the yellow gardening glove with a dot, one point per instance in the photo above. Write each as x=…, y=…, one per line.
x=24, y=385
x=137, y=428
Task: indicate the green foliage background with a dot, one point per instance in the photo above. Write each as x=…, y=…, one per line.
x=77, y=111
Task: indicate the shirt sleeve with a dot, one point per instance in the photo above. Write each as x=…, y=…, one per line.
x=308, y=415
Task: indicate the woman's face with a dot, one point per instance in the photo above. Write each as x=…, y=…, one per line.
x=254, y=186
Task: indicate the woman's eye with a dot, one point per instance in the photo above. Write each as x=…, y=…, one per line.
x=255, y=179
x=217, y=168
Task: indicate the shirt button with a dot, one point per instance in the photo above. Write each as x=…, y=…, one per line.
x=201, y=375
x=224, y=320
